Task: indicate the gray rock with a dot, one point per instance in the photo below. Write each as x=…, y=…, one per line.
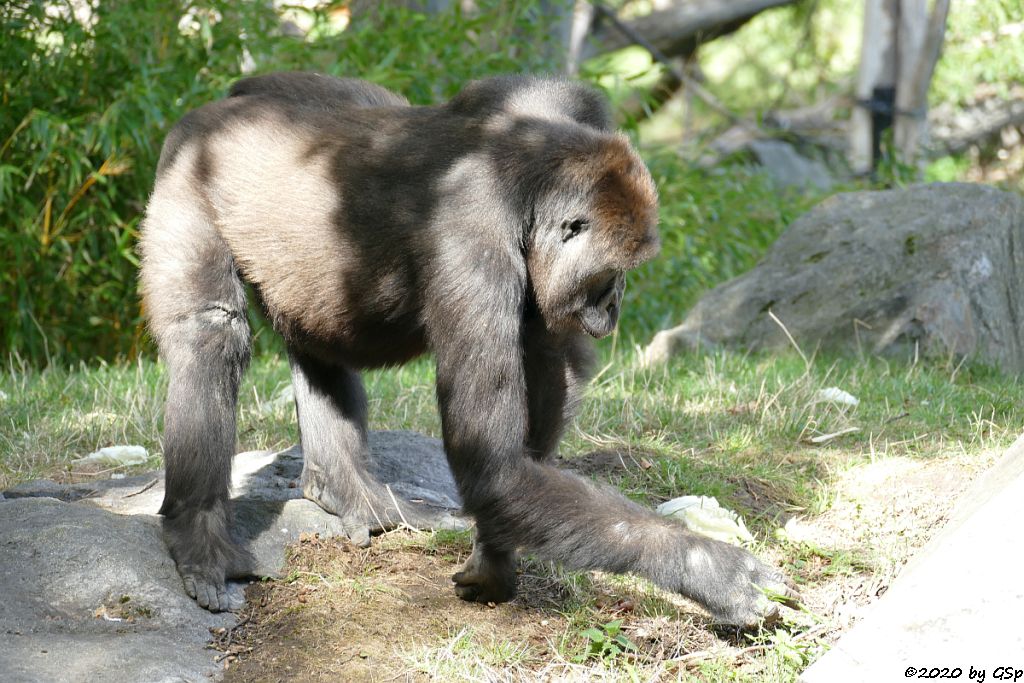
x=932, y=269
x=787, y=168
x=415, y=466
x=59, y=563
x=68, y=550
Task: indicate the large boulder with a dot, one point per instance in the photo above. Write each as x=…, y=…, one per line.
x=931, y=269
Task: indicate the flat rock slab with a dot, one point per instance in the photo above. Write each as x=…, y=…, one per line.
x=958, y=603
x=61, y=565
x=90, y=592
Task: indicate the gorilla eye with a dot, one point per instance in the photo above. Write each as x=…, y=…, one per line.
x=572, y=228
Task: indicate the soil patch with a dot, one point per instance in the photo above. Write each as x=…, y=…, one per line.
x=388, y=612
x=347, y=613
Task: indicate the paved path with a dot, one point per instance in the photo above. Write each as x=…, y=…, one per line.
x=958, y=605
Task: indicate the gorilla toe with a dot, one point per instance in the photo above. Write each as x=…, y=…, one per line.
x=215, y=596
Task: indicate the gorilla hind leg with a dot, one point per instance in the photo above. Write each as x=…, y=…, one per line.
x=331, y=405
x=196, y=308
x=211, y=351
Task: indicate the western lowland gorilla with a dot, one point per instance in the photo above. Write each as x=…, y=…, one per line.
x=494, y=231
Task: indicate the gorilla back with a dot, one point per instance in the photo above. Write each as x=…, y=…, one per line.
x=494, y=230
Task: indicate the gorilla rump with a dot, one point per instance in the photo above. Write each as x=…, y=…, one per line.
x=494, y=231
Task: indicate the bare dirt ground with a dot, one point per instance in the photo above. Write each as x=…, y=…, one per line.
x=388, y=612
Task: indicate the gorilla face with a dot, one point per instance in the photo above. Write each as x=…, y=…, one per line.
x=582, y=244
x=574, y=283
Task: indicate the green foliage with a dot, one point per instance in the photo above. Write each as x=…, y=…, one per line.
x=785, y=56
x=983, y=51
x=715, y=225
x=607, y=642
x=84, y=111
x=87, y=101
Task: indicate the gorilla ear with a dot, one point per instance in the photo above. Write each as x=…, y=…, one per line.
x=573, y=228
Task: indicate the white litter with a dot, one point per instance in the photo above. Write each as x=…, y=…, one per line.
x=117, y=455
x=825, y=438
x=703, y=515
x=837, y=395
x=795, y=531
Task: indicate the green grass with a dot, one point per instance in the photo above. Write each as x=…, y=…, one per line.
x=735, y=426
x=705, y=422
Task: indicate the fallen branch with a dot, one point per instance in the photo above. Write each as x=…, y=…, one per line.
x=145, y=488
x=678, y=30
x=975, y=125
x=678, y=75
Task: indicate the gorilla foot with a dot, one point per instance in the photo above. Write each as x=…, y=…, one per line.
x=372, y=509
x=211, y=593
x=206, y=556
x=489, y=576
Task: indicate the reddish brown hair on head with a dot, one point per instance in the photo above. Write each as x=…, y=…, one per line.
x=625, y=204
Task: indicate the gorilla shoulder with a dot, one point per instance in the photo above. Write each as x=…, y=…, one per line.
x=534, y=96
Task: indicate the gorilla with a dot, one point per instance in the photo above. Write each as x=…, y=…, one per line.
x=494, y=231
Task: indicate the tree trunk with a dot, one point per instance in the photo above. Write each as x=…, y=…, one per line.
x=876, y=83
x=582, y=19
x=919, y=62
x=901, y=46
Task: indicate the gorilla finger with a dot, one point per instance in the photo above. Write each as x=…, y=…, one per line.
x=204, y=598
x=467, y=593
x=359, y=536
x=790, y=596
x=470, y=592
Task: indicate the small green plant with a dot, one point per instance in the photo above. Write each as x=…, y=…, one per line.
x=607, y=642
x=788, y=651
x=449, y=542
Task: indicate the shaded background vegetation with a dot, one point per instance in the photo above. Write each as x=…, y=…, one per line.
x=85, y=110
x=86, y=101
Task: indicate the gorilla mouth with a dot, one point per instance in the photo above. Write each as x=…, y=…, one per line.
x=598, y=318
x=596, y=323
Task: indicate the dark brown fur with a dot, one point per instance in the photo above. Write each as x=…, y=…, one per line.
x=493, y=230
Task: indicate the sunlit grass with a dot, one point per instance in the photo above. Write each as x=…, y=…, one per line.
x=705, y=423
